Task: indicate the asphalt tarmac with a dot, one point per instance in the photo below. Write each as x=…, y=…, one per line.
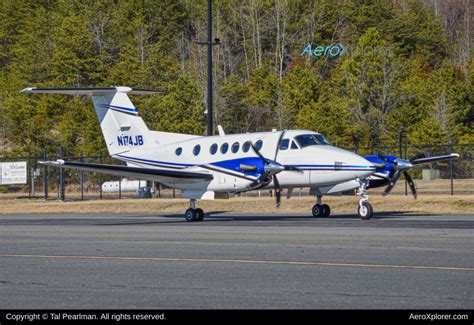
x=237, y=261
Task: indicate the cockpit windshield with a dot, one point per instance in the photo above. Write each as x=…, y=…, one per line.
x=306, y=140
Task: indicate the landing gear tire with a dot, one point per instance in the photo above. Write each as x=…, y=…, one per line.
x=365, y=210
x=190, y=215
x=321, y=210
x=199, y=214
x=326, y=210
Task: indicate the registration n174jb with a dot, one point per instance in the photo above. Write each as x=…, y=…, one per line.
x=211, y=167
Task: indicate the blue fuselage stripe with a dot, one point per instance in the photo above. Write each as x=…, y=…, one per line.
x=156, y=161
x=233, y=163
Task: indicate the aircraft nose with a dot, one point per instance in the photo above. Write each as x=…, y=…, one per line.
x=361, y=166
x=348, y=161
x=368, y=167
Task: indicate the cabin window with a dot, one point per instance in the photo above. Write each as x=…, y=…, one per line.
x=235, y=147
x=224, y=148
x=284, y=144
x=196, y=149
x=213, y=149
x=246, y=146
x=178, y=151
x=259, y=145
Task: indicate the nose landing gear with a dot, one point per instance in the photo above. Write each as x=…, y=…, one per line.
x=365, y=210
x=193, y=214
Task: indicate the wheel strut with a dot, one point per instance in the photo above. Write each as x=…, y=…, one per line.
x=365, y=209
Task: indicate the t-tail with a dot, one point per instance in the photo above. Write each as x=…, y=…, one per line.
x=122, y=127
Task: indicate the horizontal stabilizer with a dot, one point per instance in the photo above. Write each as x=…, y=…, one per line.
x=132, y=172
x=91, y=91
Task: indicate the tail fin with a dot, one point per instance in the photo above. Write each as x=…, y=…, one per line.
x=121, y=126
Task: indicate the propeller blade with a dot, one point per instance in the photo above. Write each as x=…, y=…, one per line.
x=392, y=183
x=410, y=183
x=417, y=155
x=277, y=190
x=435, y=158
x=257, y=152
x=278, y=144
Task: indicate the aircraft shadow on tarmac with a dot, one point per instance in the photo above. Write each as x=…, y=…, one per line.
x=389, y=219
x=222, y=216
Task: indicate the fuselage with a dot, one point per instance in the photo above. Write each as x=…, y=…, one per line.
x=318, y=162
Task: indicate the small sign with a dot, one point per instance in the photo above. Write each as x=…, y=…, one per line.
x=13, y=173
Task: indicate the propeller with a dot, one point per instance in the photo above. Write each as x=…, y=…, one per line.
x=402, y=166
x=270, y=169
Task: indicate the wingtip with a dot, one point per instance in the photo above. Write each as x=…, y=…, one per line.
x=27, y=90
x=51, y=162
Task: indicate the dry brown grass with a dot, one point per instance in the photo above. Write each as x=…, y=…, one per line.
x=433, y=198
x=343, y=204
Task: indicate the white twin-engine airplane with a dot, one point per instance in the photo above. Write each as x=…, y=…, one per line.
x=211, y=167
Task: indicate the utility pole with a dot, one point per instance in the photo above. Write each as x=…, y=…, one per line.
x=61, y=176
x=401, y=131
x=400, y=140
x=210, y=42
x=210, y=128
x=45, y=175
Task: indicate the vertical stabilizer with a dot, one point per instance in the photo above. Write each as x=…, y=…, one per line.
x=121, y=126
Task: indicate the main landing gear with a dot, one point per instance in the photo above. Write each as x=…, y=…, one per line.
x=319, y=209
x=365, y=209
x=193, y=214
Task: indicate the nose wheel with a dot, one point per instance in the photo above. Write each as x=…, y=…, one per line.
x=365, y=210
x=193, y=214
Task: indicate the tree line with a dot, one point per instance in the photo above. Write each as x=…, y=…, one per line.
x=263, y=78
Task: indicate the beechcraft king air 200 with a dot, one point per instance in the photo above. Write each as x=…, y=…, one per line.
x=211, y=167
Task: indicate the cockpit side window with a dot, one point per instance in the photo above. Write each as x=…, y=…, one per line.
x=306, y=140
x=293, y=145
x=322, y=139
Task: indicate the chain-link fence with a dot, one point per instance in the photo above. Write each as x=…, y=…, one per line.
x=453, y=177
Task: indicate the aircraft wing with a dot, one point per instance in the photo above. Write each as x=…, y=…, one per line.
x=151, y=174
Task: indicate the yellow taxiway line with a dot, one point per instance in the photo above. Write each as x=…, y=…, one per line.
x=241, y=261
